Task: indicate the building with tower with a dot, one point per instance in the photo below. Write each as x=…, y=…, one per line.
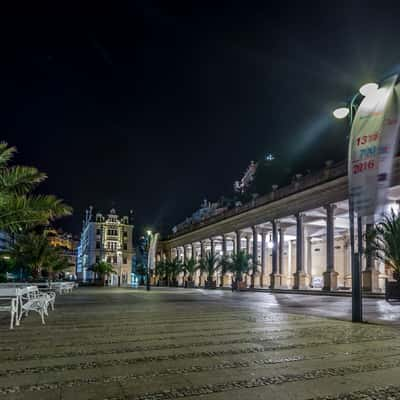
x=106, y=238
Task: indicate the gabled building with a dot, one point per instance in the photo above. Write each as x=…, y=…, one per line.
x=106, y=238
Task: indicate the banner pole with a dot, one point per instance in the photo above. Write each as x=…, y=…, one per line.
x=356, y=294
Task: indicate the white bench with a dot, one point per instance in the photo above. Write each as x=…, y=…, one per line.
x=30, y=299
x=62, y=287
x=9, y=303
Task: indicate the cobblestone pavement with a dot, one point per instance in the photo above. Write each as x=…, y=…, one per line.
x=104, y=343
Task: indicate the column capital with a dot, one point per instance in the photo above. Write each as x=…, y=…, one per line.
x=264, y=233
x=330, y=207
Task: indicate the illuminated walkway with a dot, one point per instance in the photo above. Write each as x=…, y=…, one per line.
x=170, y=344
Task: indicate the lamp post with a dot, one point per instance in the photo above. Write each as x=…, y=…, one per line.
x=356, y=254
x=149, y=236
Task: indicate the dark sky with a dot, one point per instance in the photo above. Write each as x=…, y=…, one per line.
x=153, y=106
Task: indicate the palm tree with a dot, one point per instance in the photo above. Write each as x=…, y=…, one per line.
x=223, y=266
x=383, y=242
x=34, y=251
x=239, y=264
x=57, y=262
x=189, y=268
x=173, y=269
x=208, y=265
x=161, y=271
x=102, y=269
x=18, y=208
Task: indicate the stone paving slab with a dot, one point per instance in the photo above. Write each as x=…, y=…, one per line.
x=104, y=343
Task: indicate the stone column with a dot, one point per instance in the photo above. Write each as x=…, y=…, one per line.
x=330, y=275
x=202, y=249
x=254, y=256
x=238, y=241
x=370, y=277
x=289, y=263
x=248, y=244
x=212, y=241
x=184, y=253
x=224, y=254
x=263, y=258
x=224, y=250
x=193, y=251
x=299, y=276
x=275, y=277
x=281, y=249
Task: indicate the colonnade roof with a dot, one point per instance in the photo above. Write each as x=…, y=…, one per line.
x=307, y=196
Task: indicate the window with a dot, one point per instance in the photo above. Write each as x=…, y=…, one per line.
x=97, y=259
x=97, y=231
x=125, y=260
x=125, y=233
x=125, y=246
x=115, y=260
x=108, y=259
x=97, y=244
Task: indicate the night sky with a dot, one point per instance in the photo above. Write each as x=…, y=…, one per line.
x=152, y=106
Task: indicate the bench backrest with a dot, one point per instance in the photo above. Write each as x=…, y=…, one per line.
x=29, y=292
x=8, y=292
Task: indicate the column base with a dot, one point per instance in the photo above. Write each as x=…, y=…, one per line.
x=285, y=282
x=300, y=280
x=370, y=281
x=347, y=281
x=275, y=281
x=264, y=281
x=330, y=280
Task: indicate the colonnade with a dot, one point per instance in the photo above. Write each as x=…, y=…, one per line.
x=308, y=250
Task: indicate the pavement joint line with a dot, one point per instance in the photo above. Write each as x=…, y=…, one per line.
x=174, y=346
x=192, y=391
x=181, y=371
x=299, y=330
x=377, y=392
x=180, y=356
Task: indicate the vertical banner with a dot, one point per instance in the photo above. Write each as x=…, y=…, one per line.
x=372, y=147
x=151, y=258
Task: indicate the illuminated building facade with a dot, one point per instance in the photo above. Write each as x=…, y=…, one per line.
x=106, y=238
x=69, y=245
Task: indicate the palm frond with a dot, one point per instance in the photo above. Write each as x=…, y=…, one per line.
x=6, y=154
x=20, y=180
x=23, y=212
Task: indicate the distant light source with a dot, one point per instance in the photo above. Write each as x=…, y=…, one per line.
x=148, y=233
x=269, y=157
x=270, y=245
x=368, y=89
x=341, y=112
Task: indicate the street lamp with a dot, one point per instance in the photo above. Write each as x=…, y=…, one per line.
x=365, y=90
x=369, y=89
x=341, y=112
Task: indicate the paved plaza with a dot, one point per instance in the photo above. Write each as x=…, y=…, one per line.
x=104, y=343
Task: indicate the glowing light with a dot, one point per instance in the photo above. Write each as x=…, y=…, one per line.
x=369, y=89
x=270, y=245
x=148, y=233
x=269, y=157
x=341, y=112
